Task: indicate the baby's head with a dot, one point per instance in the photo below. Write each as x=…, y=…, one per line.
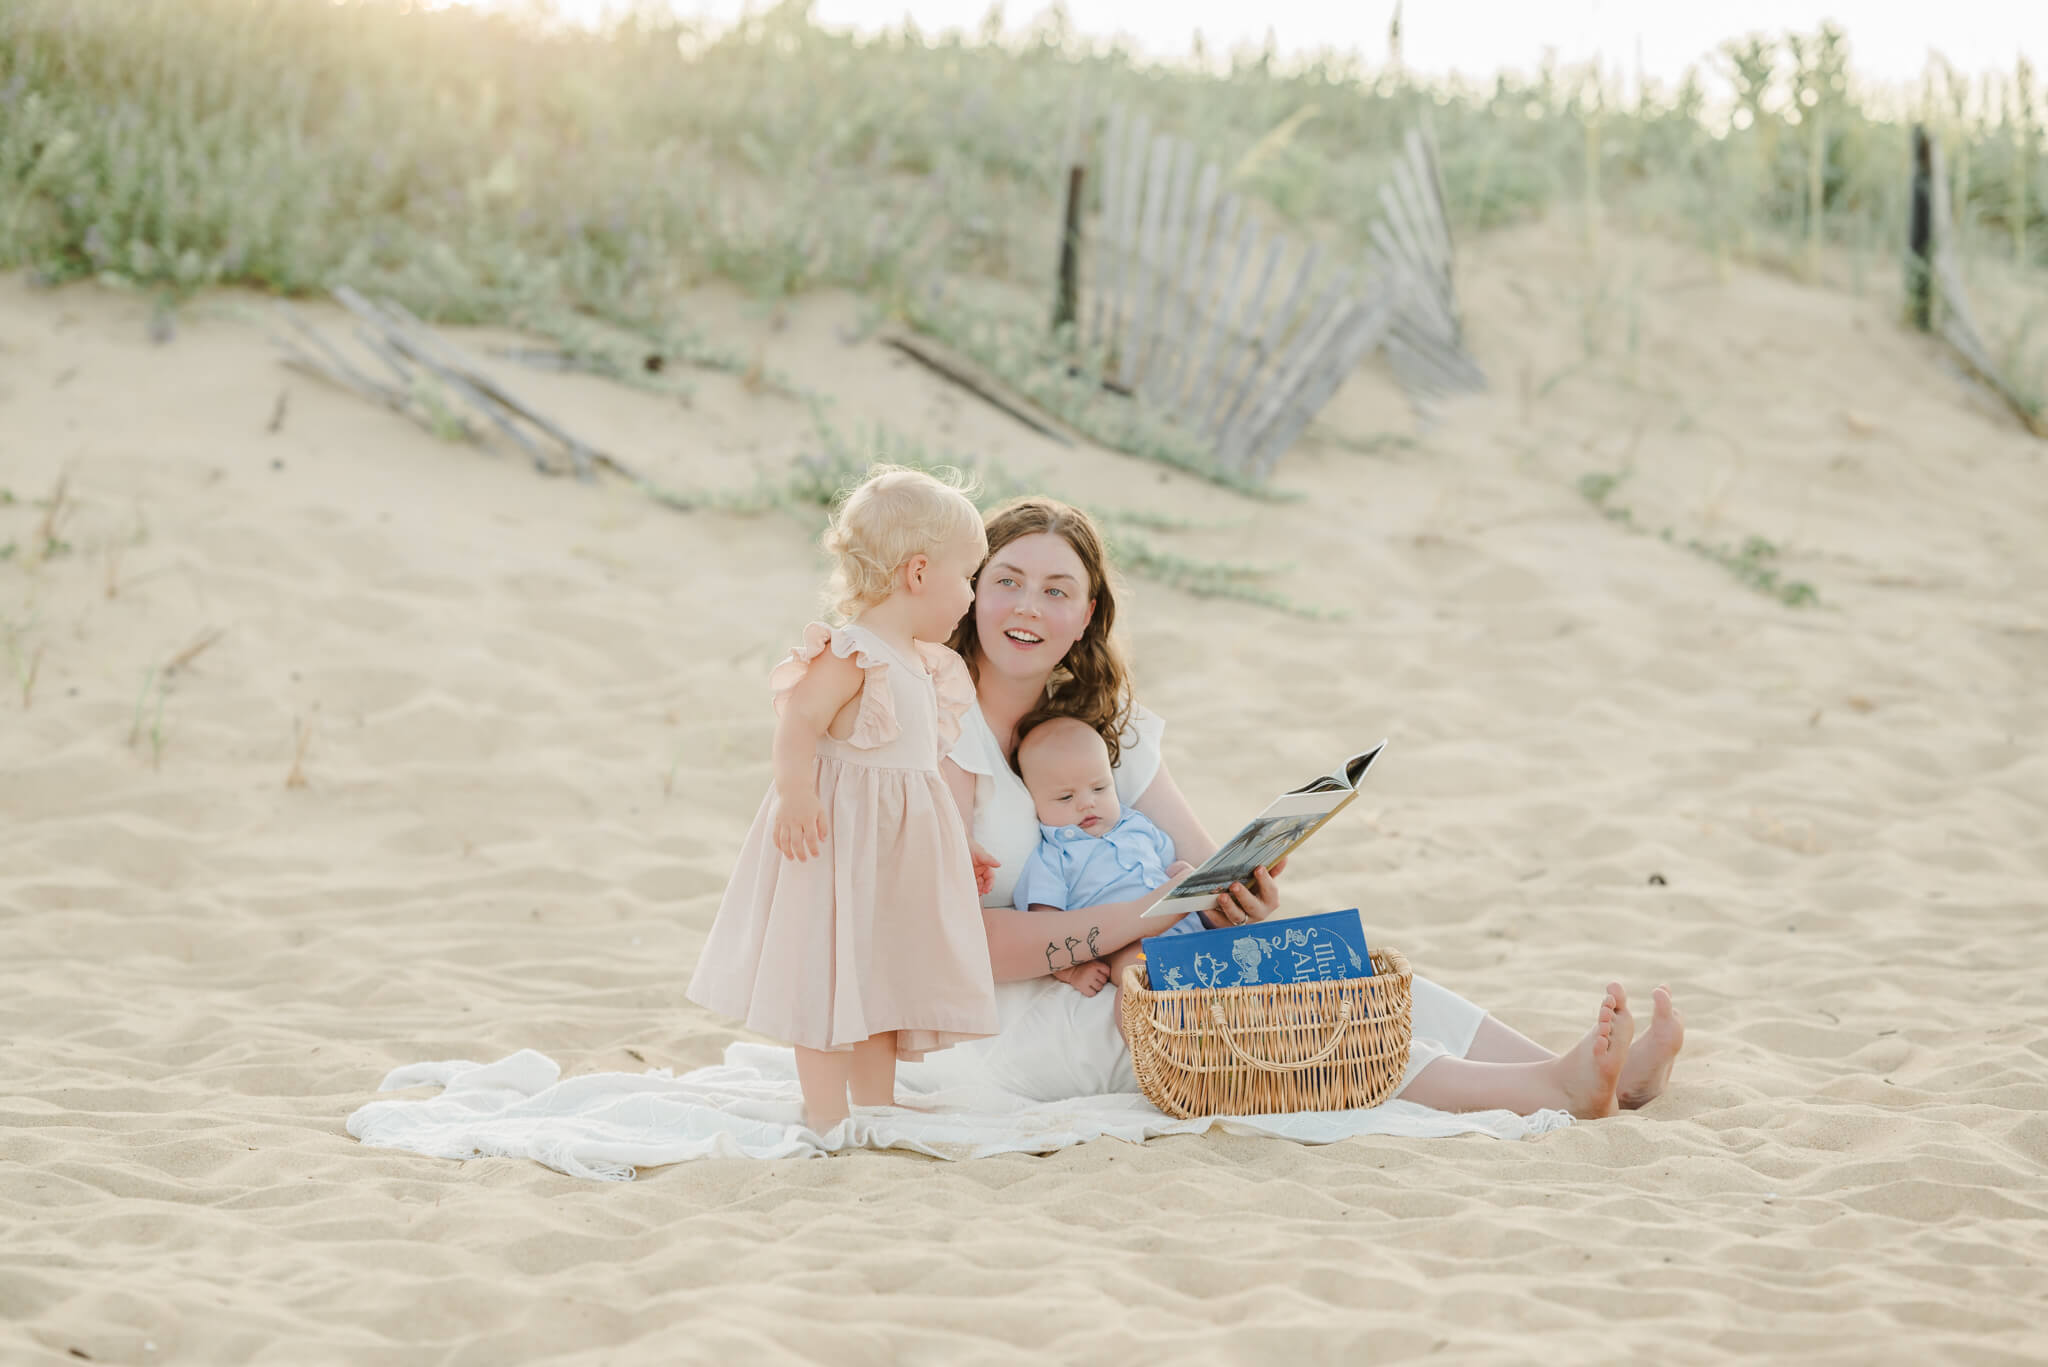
x=899, y=521
x=1066, y=766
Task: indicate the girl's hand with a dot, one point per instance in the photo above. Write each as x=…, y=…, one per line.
x=1239, y=905
x=800, y=827
x=985, y=866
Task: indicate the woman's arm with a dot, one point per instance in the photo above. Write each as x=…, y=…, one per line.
x=1168, y=809
x=1031, y=944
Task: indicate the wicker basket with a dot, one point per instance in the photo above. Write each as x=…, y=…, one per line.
x=1259, y=1050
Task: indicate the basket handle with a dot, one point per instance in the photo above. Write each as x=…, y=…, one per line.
x=1336, y=1038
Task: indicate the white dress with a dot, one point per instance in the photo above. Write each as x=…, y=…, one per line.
x=1054, y=1042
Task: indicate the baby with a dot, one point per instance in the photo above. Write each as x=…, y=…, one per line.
x=1090, y=850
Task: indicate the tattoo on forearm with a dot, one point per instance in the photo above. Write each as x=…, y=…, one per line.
x=1075, y=958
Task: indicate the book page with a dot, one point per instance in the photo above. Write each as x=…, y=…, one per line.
x=1269, y=836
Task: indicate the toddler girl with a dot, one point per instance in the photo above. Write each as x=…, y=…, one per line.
x=851, y=927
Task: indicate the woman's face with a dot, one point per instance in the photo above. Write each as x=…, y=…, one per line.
x=1032, y=603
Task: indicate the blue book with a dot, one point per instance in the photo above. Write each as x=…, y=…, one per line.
x=1297, y=949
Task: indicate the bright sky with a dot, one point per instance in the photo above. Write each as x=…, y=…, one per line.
x=1889, y=39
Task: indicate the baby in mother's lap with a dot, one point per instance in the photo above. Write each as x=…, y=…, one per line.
x=1090, y=849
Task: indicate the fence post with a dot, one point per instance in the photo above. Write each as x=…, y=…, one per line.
x=1920, y=241
x=1070, y=251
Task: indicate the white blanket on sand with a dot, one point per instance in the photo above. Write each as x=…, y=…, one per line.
x=1010, y=1094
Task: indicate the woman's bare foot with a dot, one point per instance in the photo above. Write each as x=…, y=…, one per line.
x=1649, y=1060
x=1588, y=1072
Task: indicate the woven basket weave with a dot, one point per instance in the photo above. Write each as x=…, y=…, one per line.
x=1268, y=1048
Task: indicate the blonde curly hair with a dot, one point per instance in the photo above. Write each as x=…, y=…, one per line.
x=895, y=513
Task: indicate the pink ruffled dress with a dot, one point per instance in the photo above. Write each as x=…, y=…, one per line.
x=882, y=930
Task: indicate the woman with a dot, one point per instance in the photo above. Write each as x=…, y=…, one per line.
x=1039, y=640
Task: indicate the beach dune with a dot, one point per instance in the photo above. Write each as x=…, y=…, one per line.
x=327, y=746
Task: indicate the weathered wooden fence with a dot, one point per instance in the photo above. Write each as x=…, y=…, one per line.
x=1237, y=335
x=1426, y=343
x=1934, y=283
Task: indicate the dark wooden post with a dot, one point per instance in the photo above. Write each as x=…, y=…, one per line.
x=1920, y=240
x=1070, y=251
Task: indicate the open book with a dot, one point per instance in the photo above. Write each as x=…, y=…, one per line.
x=1270, y=836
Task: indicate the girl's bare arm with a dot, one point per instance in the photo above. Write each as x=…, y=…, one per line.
x=960, y=784
x=818, y=698
x=807, y=714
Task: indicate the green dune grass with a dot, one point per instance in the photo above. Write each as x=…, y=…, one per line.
x=467, y=163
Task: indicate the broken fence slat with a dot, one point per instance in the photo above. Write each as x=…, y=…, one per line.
x=399, y=337
x=1165, y=267
x=375, y=344
x=1421, y=186
x=1958, y=325
x=976, y=381
x=1182, y=228
x=1287, y=372
x=1320, y=327
x=1425, y=236
x=1959, y=329
x=1425, y=370
x=1433, y=168
x=1410, y=254
x=1425, y=337
x=306, y=363
x=1138, y=333
x=1450, y=361
x=1186, y=285
x=1220, y=294
x=481, y=403
x=352, y=378
x=1137, y=138
x=1368, y=326
x=1101, y=318
x=581, y=453
x=1240, y=317
x=1401, y=194
x=488, y=395
x=1278, y=323
x=1426, y=319
x=1358, y=333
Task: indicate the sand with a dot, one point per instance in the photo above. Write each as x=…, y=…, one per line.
x=537, y=729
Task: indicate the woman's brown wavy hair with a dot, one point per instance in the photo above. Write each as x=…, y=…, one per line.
x=1093, y=682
